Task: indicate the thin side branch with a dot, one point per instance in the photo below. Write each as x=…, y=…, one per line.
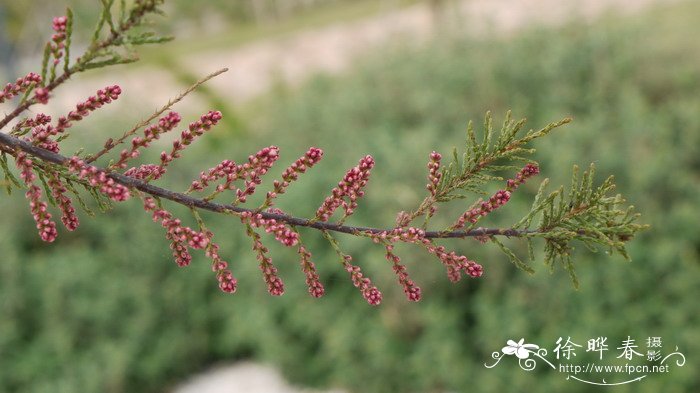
x=111, y=144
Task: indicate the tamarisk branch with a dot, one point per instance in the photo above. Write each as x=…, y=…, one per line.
x=8, y=141
x=586, y=213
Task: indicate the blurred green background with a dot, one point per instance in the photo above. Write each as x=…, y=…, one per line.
x=105, y=309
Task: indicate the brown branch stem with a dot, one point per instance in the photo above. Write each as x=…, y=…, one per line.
x=9, y=141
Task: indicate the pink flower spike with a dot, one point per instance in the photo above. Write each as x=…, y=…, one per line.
x=275, y=286
x=42, y=133
x=434, y=174
x=226, y=169
x=194, y=130
x=349, y=190
x=41, y=95
x=500, y=198
x=364, y=284
x=316, y=289
x=150, y=133
x=227, y=283
x=20, y=86
x=58, y=39
x=98, y=178
x=527, y=172
x=412, y=291
x=146, y=171
x=59, y=191
x=181, y=237
x=308, y=160
x=254, y=169
x=39, y=209
x=453, y=262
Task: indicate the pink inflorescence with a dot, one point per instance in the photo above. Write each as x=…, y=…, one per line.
x=59, y=191
x=275, y=286
x=181, y=237
x=481, y=208
x=58, y=38
x=195, y=129
x=255, y=168
x=226, y=169
x=434, y=177
x=99, y=178
x=145, y=171
x=282, y=233
x=251, y=172
x=151, y=133
x=316, y=289
x=227, y=282
x=41, y=95
x=20, y=86
x=453, y=262
x=39, y=209
x=350, y=187
x=500, y=198
x=42, y=132
x=412, y=291
x=527, y=172
x=364, y=284
x=405, y=234
x=434, y=174
x=308, y=160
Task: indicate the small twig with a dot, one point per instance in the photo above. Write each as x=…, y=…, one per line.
x=112, y=144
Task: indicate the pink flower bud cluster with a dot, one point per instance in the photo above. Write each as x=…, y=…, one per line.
x=58, y=38
x=255, y=168
x=59, y=191
x=308, y=160
x=227, y=283
x=151, y=133
x=453, y=262
x=251, y=172
x=282, y=233
x=316, y=289
x=99, y=178
x=527, y=172
x=39, y=209
x=83, y=109
x=195, y=129
x=275, y=286
x=434, y=174
x=146, y=171
x=402, y=219
x=20, y=86
x=41, y=95
x=500, y=198
x=39, y=120
x=481, y=208
x=369, y=292
x=412, y=291
x=181, y=237
x=41, y=134
x=225, y=169
x=406, y=235
x=350, y=187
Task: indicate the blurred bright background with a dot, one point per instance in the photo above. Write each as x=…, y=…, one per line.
x=105, y=309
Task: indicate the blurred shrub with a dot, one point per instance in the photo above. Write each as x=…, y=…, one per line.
x=105, y=309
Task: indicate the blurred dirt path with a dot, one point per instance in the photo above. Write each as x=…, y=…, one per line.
x=258, y=66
